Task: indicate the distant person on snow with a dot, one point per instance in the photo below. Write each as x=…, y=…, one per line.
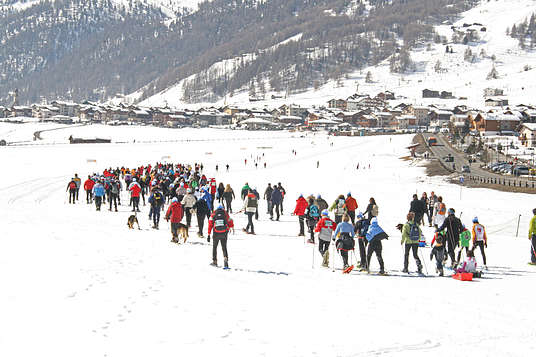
x=374, y=236
x=301, y=206
x=250, y=207
x=135, y=190
x=220, y=223
x=344, y=233
x=275, y=201
x=268, y=197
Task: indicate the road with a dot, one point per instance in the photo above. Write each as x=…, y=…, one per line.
x=442, y=149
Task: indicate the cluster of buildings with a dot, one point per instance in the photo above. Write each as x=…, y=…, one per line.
x=359, y=111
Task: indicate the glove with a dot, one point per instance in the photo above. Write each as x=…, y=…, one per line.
x=208, y=238
x=485, y=245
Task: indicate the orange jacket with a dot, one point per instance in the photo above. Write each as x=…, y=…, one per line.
x=350, y=204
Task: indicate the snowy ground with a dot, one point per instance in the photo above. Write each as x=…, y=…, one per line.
x=78, y=282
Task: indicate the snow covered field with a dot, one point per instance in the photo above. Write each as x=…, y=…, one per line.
x=76, y=282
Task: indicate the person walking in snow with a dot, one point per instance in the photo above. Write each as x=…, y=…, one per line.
x=228, y=195
x=372, y=209
x=301, y=206
x=244, y=192
x=440, y=210
x=250, y=207
x=268, y=197
x=71, y=188
x=275, y=201
x=453, y=225
x=438, y=251
x=113, y=193
x=135, y=190
x=480, y=239
x=78, y=182
x=350, y=204
x=202, y=211
x=532, y=238
x=374, y=236
x=321, y=203
x=220, y=223
x=360, y=229
x=313, y=216
x=338, y=207
x=88, y=187
x=156, y=200
x=432, y=200
x=465, y=239
x=174, y=213
x=283, y=193
x=344, y=233
x=411, y=234
x=188, y=202
x=98, y=193
x=417, y=207
x=324, y=228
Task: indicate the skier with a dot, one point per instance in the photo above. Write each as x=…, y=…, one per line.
x=188, y=202
x=313, y=215
x=465, y=239
x=71, y=188
x=360, y=229
x=88, y=187
x=220, y=222
x=374, y=236
x=301, y=206
x=156, y=200
x=350, y=205
x=228, y=195
x=453, y=225
x=98, y=193
x=480, y=239
x=338, y=207
x=174, y=213
x=344, y=233
x=372, y=209
x=411, y=234
x=275, y=201
x=532, y=238
x=324, y=228
x=250, y=207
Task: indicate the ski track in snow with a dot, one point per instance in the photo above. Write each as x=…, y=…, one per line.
x=84, y=279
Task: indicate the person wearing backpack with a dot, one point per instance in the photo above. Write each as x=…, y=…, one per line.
x=88, y=187
x=344, y=233
x=438, y=251
x=301, y=206
x=313, y=216
x=465, y=239
x=440, y=210
x=321, y=203
x=250, y=207
x=188, y=202
x=113, y=193
x=98, y=193
x=220, y=223
x=324, y=228
x=360, y=229
x=338, y=208
x=71, y=188
x=375, y=235
x=480, y=239
x=453, y=225
x=411, y=234
x=156, y=200
x=275, y=201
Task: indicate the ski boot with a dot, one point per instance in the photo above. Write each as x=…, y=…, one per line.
x=310, y=241
x=214, y=263
x=200, y=235
x=325, y=261
x=225, y=264
x=405, y=270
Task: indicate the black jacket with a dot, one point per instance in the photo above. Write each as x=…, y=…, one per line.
x=417, y=207
x=454, y=227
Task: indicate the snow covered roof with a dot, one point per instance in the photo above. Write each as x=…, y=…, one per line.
x=259, y=121
x=494, y=116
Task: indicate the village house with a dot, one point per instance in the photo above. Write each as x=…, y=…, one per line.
x=406, y=121
x=387, y=95
x=337, y=103
x=427, y=93
x=138, y=116
x=66, y=108
x=2, y=112
x=493, y=92
x=20, y=111
x=496, y=102
x=495, y=123
x=43, y=112
x=439, y=118
x=527, y=134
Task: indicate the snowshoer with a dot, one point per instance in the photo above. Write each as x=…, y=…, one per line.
x=360, y=229
x=313, y=216
x=98, y=193
x=350, y=204
x=479, y=238
x=465, y=239
x=88, y=187
x=411, y=235
x=301, y=206
x=250, y=207
x=174, y=213
x=338, y=207
x=321, y=203
x=78, y=182
x=71, y=188
x=324, y=228
x=453, y=225
x=275, y=202
x=344, y=233
x=372, y=209
x=220, y=223
x=417, y=207
x=374, y=236
x=188, y=202
x=268, y=197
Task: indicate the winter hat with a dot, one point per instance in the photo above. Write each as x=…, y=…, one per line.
x=175, y=199
x=219, y=206
x=325, y=213
x=451, y=211
x=374, y=220
x=475, y=220
x=360, y=215
x=301, y=195
x=348, y=194
x=318, y=197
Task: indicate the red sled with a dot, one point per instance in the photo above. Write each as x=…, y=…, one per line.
x=463, y=276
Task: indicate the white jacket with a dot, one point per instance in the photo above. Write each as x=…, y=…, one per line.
x=188, y=200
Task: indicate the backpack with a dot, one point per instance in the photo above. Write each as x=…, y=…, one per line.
x=72, y=185
x=413, y=232
x=252, y=202
x=339, y=211
x=220, y=221
x=157, y=196
x=313, y=211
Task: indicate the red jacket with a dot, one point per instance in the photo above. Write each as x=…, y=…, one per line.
x=88, y=184
x=325, y=222
x=175, y=212
x=230, y=223
x=301, y=206
x=135, y=189
x=351, y=204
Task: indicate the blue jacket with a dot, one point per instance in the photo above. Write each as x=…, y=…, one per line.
x=276, y=197
x=98, y=190
x=208, y=199
x=345, y=227
x=374, y=230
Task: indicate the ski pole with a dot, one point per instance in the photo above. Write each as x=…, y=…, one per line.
x=424, y=262
x=333, y=257
x=313, y=264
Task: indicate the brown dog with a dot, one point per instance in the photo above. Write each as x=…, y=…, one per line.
x=179, y=230
x=132, y=219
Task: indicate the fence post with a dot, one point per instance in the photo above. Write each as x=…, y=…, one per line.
x=517, y=230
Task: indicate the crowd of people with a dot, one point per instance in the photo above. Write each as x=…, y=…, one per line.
x=189, y=192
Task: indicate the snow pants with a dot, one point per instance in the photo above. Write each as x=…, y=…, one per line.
x=98, y=202
x=156, y=215
x=375, y=246
x=414, y=248
x=301, y=220
x=216, y=239
x=480, y=244
x=351, y=214
x=438, y=253
x=323, y=246
x=362, y=242
x=188, y=216
x=72, y=195
x=89, y=196
x=228, y=204
x=201, y=222
x=136, y=204
x=112, y=198
x=533, y=249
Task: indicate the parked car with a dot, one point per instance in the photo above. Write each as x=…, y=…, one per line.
x=520, y=170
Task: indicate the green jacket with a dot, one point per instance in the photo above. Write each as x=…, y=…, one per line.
x=532, y=227
x=405, y=234
x=465, y=238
